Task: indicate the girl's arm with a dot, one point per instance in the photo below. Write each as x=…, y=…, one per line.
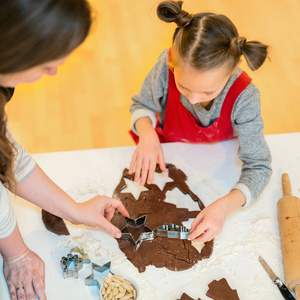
x=152, y=97
x=256, y=169
x=150, y=100
x=253, y=150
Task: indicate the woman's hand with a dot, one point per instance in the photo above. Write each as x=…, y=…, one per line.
x=211, y=219
x=98, y=212
x=25, y=276
x=147, y=153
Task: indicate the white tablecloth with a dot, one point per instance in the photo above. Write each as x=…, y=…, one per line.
x=212, y=170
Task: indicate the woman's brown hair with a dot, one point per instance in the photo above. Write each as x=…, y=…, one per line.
x=33, y=32
x=208, y=40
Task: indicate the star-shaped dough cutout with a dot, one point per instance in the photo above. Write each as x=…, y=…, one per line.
x=160, y=179
x=134, y=188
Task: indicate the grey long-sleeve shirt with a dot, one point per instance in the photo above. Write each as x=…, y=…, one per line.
x=24, y=164
x=246, y=120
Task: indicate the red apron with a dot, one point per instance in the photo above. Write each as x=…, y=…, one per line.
x=181, y=126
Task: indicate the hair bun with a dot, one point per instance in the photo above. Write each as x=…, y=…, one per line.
x=171, y=11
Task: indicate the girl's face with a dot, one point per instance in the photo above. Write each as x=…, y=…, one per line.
x=32, y=74
x=200, y=87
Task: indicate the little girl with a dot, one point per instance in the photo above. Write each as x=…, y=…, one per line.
x=196, y=93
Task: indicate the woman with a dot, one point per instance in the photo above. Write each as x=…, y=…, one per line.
x=35, y=38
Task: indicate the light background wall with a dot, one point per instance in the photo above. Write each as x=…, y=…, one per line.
x=86, y=105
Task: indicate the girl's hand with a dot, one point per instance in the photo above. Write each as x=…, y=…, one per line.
x=98, y=212
x=208, y=223
x=211, y=219
x=147, y=153
x=25, y=276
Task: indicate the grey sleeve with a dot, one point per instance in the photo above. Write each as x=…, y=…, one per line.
x=7, y=217
x=253, y=150
x=24, y=164
x=152, y=97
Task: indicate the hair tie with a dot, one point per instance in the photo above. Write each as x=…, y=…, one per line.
x=237, y=44
x=184, y=19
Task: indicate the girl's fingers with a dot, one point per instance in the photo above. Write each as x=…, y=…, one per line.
x=151, y=172
x=161, y=163
x=196, y=222
x=144, y=171
x=206, y=236
x=132, y=163
x=138, y=166
x=200, y=229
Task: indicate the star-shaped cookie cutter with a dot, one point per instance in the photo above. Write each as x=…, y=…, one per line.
x=146, y=235
x=90, y=280
x=173, y=231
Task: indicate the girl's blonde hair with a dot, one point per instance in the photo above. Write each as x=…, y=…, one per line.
x=208, y=40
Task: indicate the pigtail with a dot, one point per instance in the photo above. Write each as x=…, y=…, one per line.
x=171, y=11
x=255, y=54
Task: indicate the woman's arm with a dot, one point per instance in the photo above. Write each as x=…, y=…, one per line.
x=23, y=269
x=39, y=189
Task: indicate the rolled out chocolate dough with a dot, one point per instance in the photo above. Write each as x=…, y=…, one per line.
x=174, y=254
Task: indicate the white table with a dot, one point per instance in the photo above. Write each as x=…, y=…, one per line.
x=212, y=170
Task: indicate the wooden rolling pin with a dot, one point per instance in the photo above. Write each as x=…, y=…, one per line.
x=288, y=208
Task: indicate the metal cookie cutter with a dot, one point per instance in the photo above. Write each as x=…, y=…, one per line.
x=90, y=280
x=136, y=225
x=66, y=262
x=173, y=231
x=70, y=259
